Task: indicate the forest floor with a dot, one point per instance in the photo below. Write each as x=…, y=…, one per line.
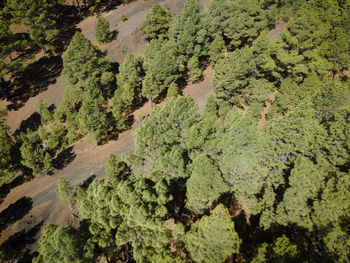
x=87, y=159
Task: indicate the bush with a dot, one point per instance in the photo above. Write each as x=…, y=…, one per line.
x=123, y=17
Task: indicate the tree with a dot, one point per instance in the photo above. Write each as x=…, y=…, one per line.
x=194, y=72
x=232, y=74
x=243, y=146
x=189, y=34
x=240, y=22
x=129, y=81
x=204, y=185
x=173, y=91
x=216, y=49
x=39, y=16
x=44, y=112
x=160, y=72
x=82, y=61
x=159, y=140
x=156, y=24
x=92, y=114
x=59, y=244
x=7, y=160
x=33, y=154
x=212, y=238
x=102, y=32
x=10, y=43
x=65, y=191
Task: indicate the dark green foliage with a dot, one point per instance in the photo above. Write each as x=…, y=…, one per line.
x=129, y=81
x=42, y=109
x=160, y=69
x=204, y=185
x=282, y=250
x=7, y=160
x=194, y=72
x=159, y=139
x=39, y=16
x=156, y=24
x=92, y=114
x=212, y=238
x=102, y=32
x=189, y=34
x=33, y=154
x=216, y=49
x=232, y=74
x=238, y=21
x=60, y=244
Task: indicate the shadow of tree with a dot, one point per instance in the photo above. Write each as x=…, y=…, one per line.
x=15, y=212
x=87, y=182
x=15, y=248
x=64, y=158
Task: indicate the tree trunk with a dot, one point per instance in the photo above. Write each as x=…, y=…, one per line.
x=44, y=49
x=78, y=7
x=152, y=103
x=10, y=58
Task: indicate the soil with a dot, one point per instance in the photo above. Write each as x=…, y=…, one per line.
x=268, y=104
x=90, y=159
x=277, y=30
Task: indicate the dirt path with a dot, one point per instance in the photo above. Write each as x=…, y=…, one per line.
x=277, y=30
x=268, y=104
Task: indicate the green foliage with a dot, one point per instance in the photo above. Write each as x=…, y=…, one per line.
x=33, y=155
x=7, y=160
x=123, y=17
x=194, y=72
x=232, y=74
x=160, y=69
x=173, y=91
x=189, y=34
x=159, y=139
x=216, y=49
x=282, y=250
x=65, y=191
x=212, y=238
x=102, y=32
x=92, y=114
x=42, y=109
x=39, y=16
x=338, y=243
x=204, y=185
x=129, y=81
x=156, y=24
x=60, y=244
x=238, y=21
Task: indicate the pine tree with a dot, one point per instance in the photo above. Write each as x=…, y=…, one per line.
x=156, y=24
x=59, y=244
x=92, y=114
x=204, y=185
x=65, y=191
x=216, y=49
x=102, y=32
x=194, y=72
x=7, y=160
x=212, y=238
x=39, y=15
x=33, y=155
x=42, y=109
x=173, y=91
